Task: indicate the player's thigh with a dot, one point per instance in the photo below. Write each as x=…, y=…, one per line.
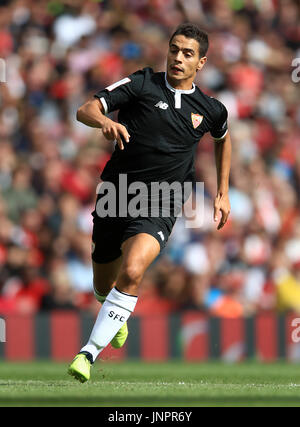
x=105, y=275
x=138, y=252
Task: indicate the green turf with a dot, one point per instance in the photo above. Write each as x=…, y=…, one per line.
x=157, y=384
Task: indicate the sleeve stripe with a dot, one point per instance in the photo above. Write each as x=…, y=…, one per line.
x=218, y=139
x=117, y=84
x=103, y=102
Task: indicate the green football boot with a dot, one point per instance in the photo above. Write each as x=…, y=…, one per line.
x=80, y=368
x=119, y=339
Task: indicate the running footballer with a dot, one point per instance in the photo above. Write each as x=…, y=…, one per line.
x=162, y=116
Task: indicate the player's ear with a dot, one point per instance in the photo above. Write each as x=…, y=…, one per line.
x=201, y=62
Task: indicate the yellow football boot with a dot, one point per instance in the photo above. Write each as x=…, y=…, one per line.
x=80, y=368
x=119, y=339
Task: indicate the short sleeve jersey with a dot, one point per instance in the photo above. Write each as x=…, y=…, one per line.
x=165, y=126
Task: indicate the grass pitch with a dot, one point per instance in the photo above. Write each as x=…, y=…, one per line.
x=137, y=384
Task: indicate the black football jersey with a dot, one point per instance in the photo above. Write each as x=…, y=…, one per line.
x=165, y=125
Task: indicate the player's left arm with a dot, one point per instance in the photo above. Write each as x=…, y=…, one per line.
x=222, y=148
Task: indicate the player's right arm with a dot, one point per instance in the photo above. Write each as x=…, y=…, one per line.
x=92, y=114
x=118, y=95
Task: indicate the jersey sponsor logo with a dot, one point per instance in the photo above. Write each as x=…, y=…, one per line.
x=196, y=120
x=161, y=235
x=161, y=105
x=119, y=83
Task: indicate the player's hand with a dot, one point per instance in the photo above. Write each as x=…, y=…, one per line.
x=115, y=131
x=221, y=204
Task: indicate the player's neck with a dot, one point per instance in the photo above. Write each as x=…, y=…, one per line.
x=180, y=84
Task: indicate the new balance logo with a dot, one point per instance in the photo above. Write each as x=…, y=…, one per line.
x=161, y=105
x=161, y=235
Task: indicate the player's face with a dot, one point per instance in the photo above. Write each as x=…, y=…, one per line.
x=183, y=62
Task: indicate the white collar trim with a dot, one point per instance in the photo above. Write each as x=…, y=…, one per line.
x=179, y=90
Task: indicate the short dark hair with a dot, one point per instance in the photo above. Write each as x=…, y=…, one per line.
x=191, y=31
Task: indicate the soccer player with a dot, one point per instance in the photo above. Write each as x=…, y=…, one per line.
x=162, y=116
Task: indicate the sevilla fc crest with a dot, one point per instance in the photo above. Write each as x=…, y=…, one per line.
x=196, y=119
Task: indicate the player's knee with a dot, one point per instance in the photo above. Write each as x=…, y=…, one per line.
x=130, y=275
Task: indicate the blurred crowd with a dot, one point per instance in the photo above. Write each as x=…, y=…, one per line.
x=54, y=56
